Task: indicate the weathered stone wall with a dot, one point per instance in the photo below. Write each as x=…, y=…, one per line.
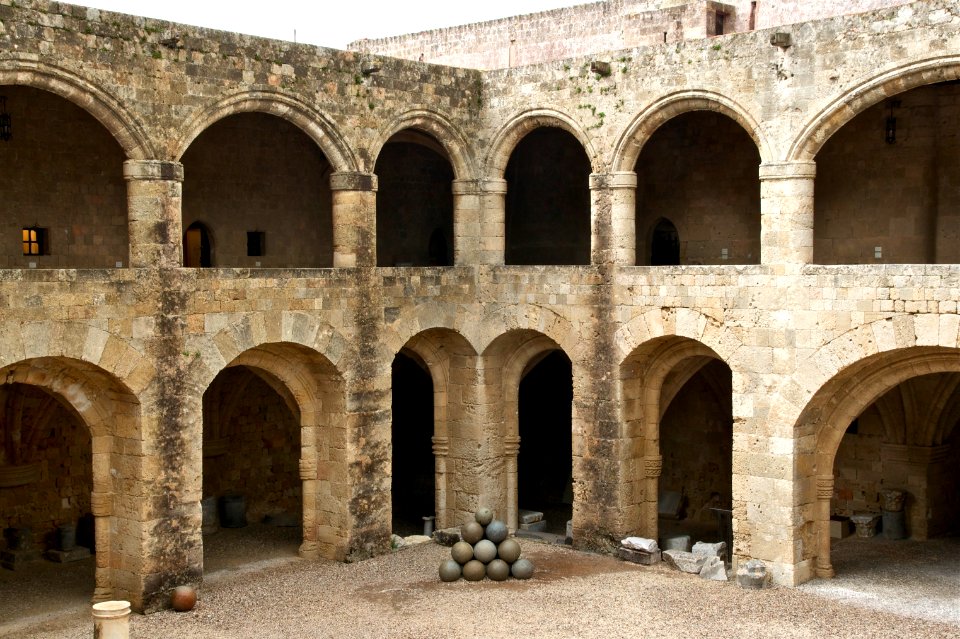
x=809, y=347
x=599, y=27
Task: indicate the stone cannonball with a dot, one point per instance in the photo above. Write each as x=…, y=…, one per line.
x=522, y=569
x=449, y=570
x=462, y=552
x=509, y=550
x=472, y=532
x=498, y=570
x=184, y=598
x=485, y=551
x=484, y=516
x=496, y=531
x=474, y=570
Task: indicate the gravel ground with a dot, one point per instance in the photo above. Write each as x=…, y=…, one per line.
x=572, y=594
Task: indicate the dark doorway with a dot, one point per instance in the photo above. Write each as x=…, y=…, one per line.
x=196, y=247
x=548, y=200
x=545, y=462
x=412, y=484
x=664, y=244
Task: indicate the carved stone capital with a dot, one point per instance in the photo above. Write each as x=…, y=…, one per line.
x=511, y=445
x=652, y=466
x=441, y=446
x=825, y=487
x=308, y=468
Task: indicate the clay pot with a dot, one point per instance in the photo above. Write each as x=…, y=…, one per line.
x=184, y=598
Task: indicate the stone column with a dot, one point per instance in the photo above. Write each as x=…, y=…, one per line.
x=441, y=448
x=111, y=620
x=613, y=210
x=478, y=221
x=786, y=212
x=652, y=467
x=824, y=495
x=511, y=448
x=155, y=218
x=308, y=475
x=354, y=219
x=101, y=505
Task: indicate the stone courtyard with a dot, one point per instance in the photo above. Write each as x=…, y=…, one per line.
x=704, y=254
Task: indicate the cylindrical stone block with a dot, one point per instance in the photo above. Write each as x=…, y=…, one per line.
x=111, y=620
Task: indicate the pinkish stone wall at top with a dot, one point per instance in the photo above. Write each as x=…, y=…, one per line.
x=597, y=27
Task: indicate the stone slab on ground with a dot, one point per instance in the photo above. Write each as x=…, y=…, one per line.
x=641, y=557
x=714, y=569
x=447, y=536
x=640, y=543
x=537, y=526
x=530, y=516
x=752, y=575
x=718, y=549
x=684, y=561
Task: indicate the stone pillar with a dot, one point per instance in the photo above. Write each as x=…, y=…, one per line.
x=786, y=212
x=354, y=219
x=478, y=221
x=101, y=505
x=511, y=448
x=613, y=210
x=308, y=474
x=652, y=467
x=155, y=218
x=441, y=448
x=824, y=495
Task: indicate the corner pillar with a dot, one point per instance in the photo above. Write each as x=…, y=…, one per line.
x=154, y=213
x=613, y=210
x=354, y=219
x=786, y=212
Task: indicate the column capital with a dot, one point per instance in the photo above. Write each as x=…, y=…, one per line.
x=652, y=466
x=441, y=446
x=353, y=181
x=152, y=170
x=788, y=170
x=613, y=180
x=308, y=468
x=479, y=187
x=101, y=504
x=511, y=445
x=824, y=487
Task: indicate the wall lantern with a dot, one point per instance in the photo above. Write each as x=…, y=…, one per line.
x=6, y=131
x=891, y=129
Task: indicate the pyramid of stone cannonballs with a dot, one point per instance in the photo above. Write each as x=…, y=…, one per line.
x=485, y=551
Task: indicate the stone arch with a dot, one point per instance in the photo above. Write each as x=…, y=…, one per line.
x=844, y=108
x=507, y=359
x=523, y=123
x=651, y=375
x=441, y=129
x=109, y=111
x=111, y=411
x=535, y=317
x=642, y=127
x=305, y=358
x=451, y=361
x=825, y=395
x=678, y=322
x=312, y=122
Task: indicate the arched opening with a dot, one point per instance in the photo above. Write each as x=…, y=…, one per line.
x=905, y=441
x=696, y=443
x=197, y=250
x=701, y=171
x=548, y=200
x=885, y=190
x=412, y=483
x=545, y=461
x=664, y=244
x=261, y=185
x=414, y=202
x=61, y=176
x=252, y=491
x=46, y=480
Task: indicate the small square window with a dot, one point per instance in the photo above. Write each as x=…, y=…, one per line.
x=34, y=241
x=256, y=243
